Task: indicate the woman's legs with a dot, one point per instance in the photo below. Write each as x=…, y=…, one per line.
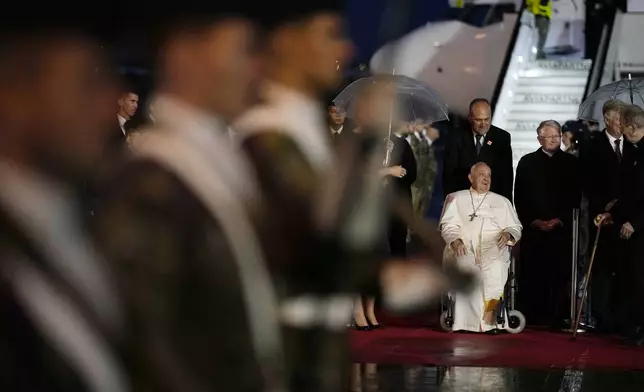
x=371, y=311
x=359, y=314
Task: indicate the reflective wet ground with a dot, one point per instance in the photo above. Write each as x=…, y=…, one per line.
x=393, y=378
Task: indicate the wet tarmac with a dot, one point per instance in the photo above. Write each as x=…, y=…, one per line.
x=394, y=378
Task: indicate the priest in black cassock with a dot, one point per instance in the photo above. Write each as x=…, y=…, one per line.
x=179, y=222
x=546, y=192
x=627, y=218
x=60, y=314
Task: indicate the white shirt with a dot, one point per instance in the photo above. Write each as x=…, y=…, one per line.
x=122, y=121
x=338, y=131
x=612, y=140
x=482, y=138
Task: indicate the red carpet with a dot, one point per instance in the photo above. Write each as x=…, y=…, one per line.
x=530, y=349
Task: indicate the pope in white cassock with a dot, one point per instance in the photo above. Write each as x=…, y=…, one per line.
x=479, y=226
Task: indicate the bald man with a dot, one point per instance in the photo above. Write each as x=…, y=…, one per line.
x=478, y=226
x=479, y=142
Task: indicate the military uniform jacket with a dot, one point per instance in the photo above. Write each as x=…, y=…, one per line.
x=60, y=317
x=288, y=142
x=178, y=227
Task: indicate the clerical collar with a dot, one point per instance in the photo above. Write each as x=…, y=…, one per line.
x=548, y=153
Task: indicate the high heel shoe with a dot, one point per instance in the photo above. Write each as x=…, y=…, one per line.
x=375, y=326
x=357, y=327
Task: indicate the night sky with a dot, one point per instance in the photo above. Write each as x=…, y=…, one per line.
x=366, y=16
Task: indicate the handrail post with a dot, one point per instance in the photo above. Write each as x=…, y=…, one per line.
x=573, y=281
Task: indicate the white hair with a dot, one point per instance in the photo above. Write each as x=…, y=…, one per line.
x=548, y=123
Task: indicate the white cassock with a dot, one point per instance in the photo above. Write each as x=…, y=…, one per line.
x=478, y=220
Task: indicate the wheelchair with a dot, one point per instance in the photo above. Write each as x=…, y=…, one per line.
x=516, y=321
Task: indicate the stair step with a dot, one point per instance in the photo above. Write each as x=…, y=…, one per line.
x=549, y=89
x=562, y=65
x=542, y=90
x=522, y=125
x=532, y=116
x=552, y=81
x=542, y=73
x=546, y=99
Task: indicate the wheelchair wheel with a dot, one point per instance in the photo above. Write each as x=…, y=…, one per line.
x=446, y=322
x=516, y=322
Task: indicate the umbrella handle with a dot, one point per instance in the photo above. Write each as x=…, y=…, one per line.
x=391, y=120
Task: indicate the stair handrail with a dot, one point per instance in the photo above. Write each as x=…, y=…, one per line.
x=599, y=62
x=508, y=57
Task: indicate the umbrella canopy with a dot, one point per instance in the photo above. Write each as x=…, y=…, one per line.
x=630, y=91
x=413, y=100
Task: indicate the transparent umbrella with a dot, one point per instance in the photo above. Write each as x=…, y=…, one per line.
x=413, y=101
x=630, y=91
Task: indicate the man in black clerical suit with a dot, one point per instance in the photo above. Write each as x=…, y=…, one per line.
x=546, y=192
x=178, y=222
x=481, y=142
x=627, y=218
x=602, y=164
x=60, y=313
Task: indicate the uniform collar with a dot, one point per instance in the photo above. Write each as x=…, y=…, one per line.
x=295, y=115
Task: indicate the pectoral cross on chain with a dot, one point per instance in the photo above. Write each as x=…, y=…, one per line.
x=472, y=216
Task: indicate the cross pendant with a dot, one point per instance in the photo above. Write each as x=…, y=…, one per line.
x=472, y=216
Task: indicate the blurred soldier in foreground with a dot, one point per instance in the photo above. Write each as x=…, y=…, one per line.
x=178, y=224
x=478, y=225
x=289, y=142
x=59, y=317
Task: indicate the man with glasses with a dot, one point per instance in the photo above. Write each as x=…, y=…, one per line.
x=602, y=163
x=626, y=218
x=547, y=190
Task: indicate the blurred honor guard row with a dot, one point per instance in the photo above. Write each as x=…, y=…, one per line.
x=211, y=244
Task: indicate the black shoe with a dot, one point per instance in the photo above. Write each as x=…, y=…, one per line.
x=357, y=327
x=494, y=331
x=376, y=326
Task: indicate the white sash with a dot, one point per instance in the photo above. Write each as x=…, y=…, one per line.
x=197, y=165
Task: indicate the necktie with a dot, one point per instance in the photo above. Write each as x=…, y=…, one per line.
x=478, y=144
x=618, y=151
